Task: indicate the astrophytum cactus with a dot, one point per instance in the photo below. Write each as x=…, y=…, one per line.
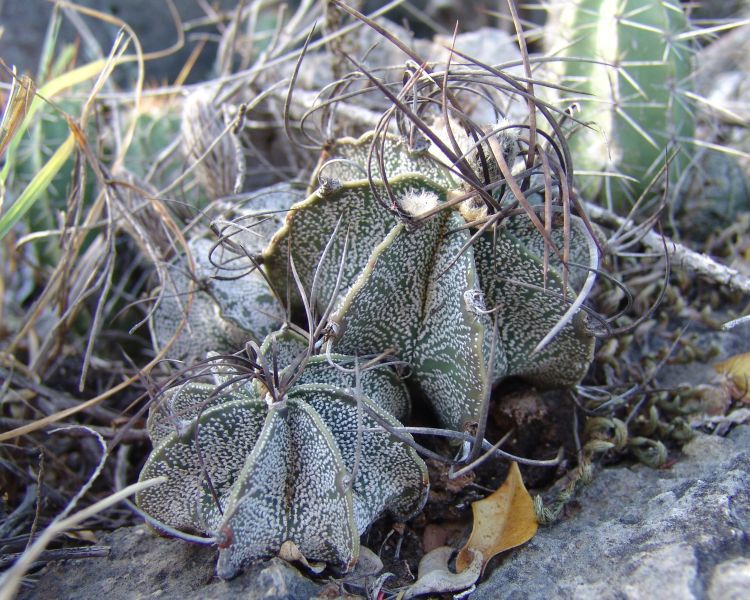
x=219, y=307
x=311, y=454
x=430, y=293
x=631, y=61
x=313, y=467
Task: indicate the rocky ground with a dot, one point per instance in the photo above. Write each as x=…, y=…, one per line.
x=681, y=532
x=635, y=532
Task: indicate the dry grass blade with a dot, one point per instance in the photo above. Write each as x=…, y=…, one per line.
x=11, y=579
x=47, y=93
x=17, y=106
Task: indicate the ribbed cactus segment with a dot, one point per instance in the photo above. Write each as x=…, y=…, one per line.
x=176, y=410
x=212, y=449
x=355, y=212
x=412, y=296
x=309, y=448
x=256, y=473
x=223, y=308
x=292, y=487
x=384, y=464
x=380, y=385
x=637, y=101
x=283, y=347
x=251, y=224
x=424, y=293
x=512, y=276
x=350, y=159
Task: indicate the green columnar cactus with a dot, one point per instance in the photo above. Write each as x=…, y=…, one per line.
x=633, y=74
x=256, y=473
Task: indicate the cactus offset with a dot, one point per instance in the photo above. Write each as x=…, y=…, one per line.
x=214, y=306
x=256, y=473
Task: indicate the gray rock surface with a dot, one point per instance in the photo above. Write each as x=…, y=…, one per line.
x=142, y=565
x=642, y=533
x=638, y=533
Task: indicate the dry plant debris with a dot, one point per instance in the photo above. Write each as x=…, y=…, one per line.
x=124, y=204
x=503, y=520
x=738, y=368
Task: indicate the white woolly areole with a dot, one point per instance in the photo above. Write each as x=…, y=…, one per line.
x=462, y=139
x=418, y=202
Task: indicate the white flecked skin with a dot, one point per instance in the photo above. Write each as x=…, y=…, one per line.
x=280, y=471
x=318, y=466
x=421, y=291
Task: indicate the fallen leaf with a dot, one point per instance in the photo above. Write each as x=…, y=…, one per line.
x=504, y=519
x=290, y=552
x=435, y=577
x=738, y=368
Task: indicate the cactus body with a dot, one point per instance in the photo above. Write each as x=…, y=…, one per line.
x=280, y=471
x=316, y=461
x=420, y=292
x=221, y=311
x=636, y=101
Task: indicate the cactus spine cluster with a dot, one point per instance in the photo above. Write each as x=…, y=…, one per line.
x=627, y=64
x=307, y=450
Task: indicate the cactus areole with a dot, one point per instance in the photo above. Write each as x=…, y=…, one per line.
x=315, y=463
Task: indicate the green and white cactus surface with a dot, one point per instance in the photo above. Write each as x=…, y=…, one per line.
x=311, y=454
x=628, y=65
x=430, y=293
x=256, y=473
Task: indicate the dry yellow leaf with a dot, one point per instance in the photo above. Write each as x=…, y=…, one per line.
x=19, y=100
x=738, y=368
x=504, y=519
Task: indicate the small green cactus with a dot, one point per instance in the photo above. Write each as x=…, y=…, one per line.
x=256, y=473
x=631, y=62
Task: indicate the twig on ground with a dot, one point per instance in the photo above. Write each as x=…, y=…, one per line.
x=130, y=436
x=57, y=398
x=59, y=554
x=680, y=255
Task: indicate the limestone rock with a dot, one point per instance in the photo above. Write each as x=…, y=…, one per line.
x=645, y=533
x=638, y=533
x=141, y=565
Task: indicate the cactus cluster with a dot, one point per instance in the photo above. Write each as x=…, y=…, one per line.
x=628, y=65
x=307, y=449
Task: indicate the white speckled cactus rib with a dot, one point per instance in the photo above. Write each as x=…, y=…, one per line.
x=280, y=471
x=414, y=291
x=317, y=466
